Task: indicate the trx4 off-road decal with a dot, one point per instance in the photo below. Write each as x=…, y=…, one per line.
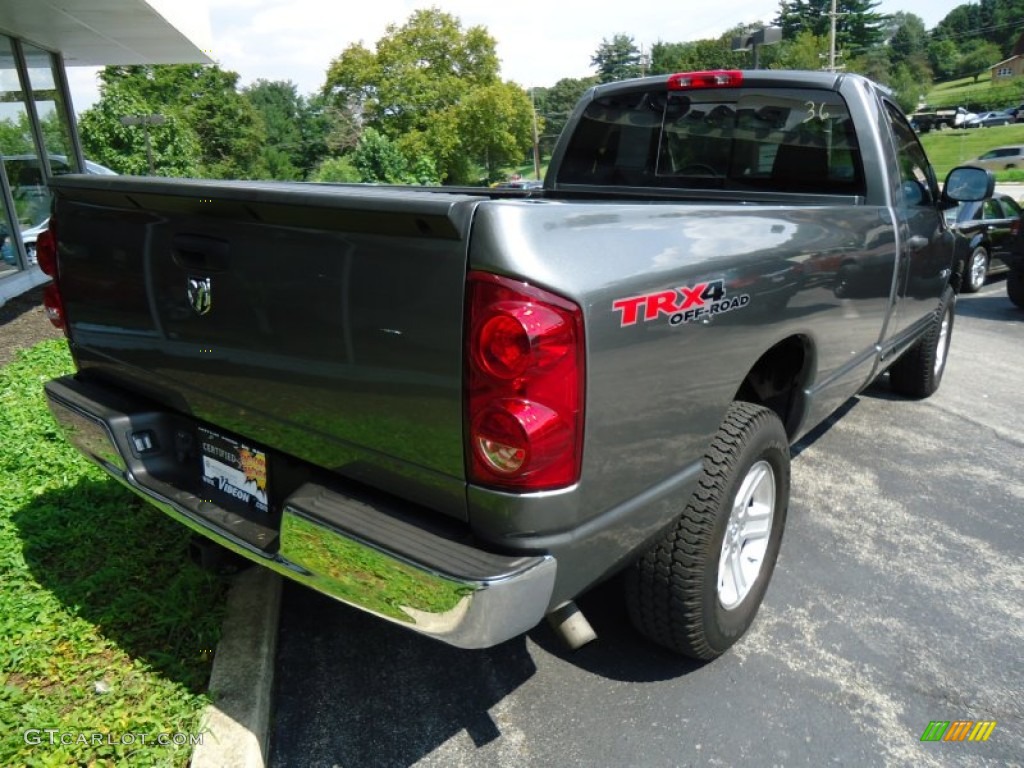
x=682, y=305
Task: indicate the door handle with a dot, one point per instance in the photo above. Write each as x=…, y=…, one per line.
x=200, y=252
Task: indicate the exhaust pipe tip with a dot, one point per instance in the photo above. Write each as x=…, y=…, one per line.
x=571, y=626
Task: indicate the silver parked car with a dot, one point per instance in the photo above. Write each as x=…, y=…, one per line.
x=988, y=119
x=1001, y=158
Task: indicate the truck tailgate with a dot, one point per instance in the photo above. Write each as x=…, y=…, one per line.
x=322, y=322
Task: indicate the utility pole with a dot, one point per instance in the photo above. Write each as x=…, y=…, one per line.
x=145, y=121
x=536, y=138
x=832, y=38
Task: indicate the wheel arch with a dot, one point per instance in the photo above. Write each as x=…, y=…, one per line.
x=779, y=379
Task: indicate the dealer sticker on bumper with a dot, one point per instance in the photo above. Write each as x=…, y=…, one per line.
x=234, y=469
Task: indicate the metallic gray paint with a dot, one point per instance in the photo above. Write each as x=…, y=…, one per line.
x=342, y=348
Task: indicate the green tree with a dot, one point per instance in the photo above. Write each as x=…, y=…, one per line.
x=806, y=50
x=496, y=125
x=555, y=104
x=16, y=136
x=616, y=59
x=908, y=38
x=859, y=27
x=325, y=131
x=908, y=88
x=227, y=132
x=280, y=108
x=874, y=64
x=977, y=58
x=174, y=145
x=231, y=133
x=944, y=58
x=417, y=69
x=696, y=55
x=338, y=169
x=988, y=21
x=378, y=159
x=412, y=90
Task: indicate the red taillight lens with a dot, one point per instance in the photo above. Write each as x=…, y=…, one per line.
x=719, y=78
x=524, y=380
x=46, y=256
x=46, y=250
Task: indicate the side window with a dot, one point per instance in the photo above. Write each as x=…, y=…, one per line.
x=1010, y=209
x=992, y=210
x=917, y=178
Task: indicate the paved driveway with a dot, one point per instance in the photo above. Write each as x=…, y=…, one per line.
x=898, y=600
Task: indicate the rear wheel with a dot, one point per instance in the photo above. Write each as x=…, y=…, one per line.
x=976, y=271
x=698, y=589
x=919, y=370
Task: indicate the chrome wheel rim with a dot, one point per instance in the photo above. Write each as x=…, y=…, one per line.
x=943, y=346
x=977, y=269
x=745, y=543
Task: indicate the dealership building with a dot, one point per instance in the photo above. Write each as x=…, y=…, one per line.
x=39, y=41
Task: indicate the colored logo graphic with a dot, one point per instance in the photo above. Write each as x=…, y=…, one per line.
x=958, y=730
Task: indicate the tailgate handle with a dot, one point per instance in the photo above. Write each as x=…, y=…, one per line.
x=200, y=252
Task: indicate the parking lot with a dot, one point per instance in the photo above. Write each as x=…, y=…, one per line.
x=898, y=600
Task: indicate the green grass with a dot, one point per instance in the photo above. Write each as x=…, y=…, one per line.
x=526, y=169
x=979, y=96
x=106, y=628
x=949, y=148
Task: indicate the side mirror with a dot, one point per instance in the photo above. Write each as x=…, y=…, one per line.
x=965, y=182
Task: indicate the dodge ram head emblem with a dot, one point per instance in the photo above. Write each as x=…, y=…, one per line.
x=200, y=294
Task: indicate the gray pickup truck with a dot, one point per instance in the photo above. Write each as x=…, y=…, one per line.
x=460, y=409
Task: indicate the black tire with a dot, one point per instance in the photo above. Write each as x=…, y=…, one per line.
x=975, y=271
x=673, y=591
x=1015, y=287
x=919, y=370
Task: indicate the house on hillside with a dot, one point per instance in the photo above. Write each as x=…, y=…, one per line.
x=1011, y=67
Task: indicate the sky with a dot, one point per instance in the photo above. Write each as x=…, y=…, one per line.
x=538, y=41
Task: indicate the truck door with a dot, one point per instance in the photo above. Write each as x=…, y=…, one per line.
x=924, y=258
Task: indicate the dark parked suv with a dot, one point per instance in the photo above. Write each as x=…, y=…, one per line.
x=986, y=231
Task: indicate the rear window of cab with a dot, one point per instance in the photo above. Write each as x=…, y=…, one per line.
x=767, y=139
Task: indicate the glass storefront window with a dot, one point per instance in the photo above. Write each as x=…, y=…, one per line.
x=24, y=195
x=15, y=141
x=50, y=108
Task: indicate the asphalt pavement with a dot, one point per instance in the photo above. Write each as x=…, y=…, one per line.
x=898, y=600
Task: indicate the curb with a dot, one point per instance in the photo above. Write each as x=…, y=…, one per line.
x=236, y=726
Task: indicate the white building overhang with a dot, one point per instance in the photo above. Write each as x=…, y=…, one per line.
x=101, y=32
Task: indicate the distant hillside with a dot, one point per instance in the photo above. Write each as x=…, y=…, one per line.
x=976, y=96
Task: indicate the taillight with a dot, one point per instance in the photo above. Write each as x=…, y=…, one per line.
x=524, y=385
x=46, y=256
x=719, y=78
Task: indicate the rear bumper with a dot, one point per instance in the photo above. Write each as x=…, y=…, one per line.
x=356, y=550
